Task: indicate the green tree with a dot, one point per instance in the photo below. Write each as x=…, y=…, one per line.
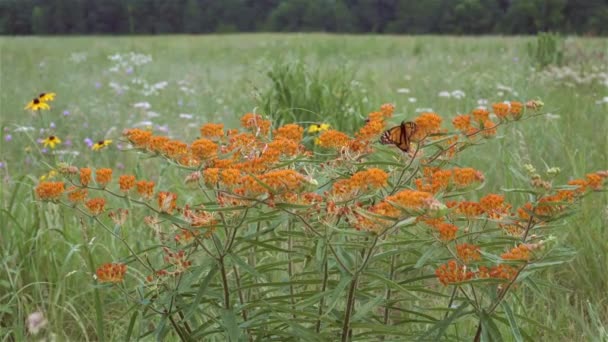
x=39, y=22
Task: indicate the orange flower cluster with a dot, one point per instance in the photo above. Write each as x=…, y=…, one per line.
x=555, y=203
x=77, y=195
x=212, y=131
x=466, y=208
x=103, y=176
x=198, y=217
x=521, y=252
x=467, y=252
x=475, y=122
x=373, y=178
x=504, y=272
x=126, y=182
x=85, y=176
x=138, y=137
x=204, y=148
x=494, y=205
x=96, y=205
x=50, y=190
x=427, y=123
x=332, y=139
x=505, y=109
x=227, y=177
x=167, y=201
x=435, y=180
x=274, y=182
x=447, y=231
x=411, y=199
x=256, y=123
x=291, y=132
x=111, y=273
x=453, y=273
x=145, y=188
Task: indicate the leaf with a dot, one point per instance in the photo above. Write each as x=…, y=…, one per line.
x=131, y=325
x=244, y=265
x=512, y=322
x=229, y=324
x=442, y=325
x=363, y=310
x=201, y=292
x=426, y=256
x=338, y=292
x=489, y=330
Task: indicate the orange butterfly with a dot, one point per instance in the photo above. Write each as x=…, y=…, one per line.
x=400, y=136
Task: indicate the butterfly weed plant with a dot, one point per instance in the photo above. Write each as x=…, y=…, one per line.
x=296, y=232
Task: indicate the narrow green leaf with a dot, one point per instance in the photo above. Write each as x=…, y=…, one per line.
x=489, y=330
x=131, y=325
x=512, y=322
x=201, y=292
x=233, y=333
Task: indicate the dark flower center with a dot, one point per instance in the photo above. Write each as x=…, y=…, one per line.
x=36, y=101
x=52, y=137
x=41, y=95
x=101, y=142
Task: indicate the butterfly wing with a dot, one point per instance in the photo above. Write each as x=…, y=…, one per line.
x=400, y=135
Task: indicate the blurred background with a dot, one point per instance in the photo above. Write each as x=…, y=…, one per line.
x=587, y=17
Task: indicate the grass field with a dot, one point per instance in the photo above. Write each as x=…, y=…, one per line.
x=46, y=252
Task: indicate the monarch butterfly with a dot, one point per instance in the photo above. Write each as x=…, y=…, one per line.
x=400, y=135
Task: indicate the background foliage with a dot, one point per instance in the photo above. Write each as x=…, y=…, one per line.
x=352, y=16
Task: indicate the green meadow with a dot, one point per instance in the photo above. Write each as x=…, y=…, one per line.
x=173, y=84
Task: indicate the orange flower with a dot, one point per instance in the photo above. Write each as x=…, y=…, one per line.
x=139, y=138
x=371, y=130
x=103, y=176
x=291, y=132
x=77, y=195
x=468, y=209
x=489, y=128
x=452, y=273
x=256, y=123
x=174, y=148
x=434, y=180
x=85, y=176
x=111, y=273
x=387, y=109
x=126, y=182
x=411, y=199
x=594, y=181
x=427, y=123
x=467, y=252
x=501, y=110
x=464, y=177
x=211, y=176
x=279, y=181
x=50, y=190
x=494, y=205
x=373, y=178
x=462, y=122
x=119, y=216
x=96, y=205
x=157, y=143
x=515, y=109
x=332, y=139
x=167, y=201
x=480, y=114
x=204, y=148
x=521, y=252
x=145, y=188
x=211, y=130
x=503, y=272
x=447, y=231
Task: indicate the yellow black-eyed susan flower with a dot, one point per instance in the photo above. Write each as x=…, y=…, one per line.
x=51, y=141
x=318, y=128
x=36, y=104
x=46, y=97
x=101, y=144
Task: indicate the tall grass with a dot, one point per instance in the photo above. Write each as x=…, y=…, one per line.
x=306, y=78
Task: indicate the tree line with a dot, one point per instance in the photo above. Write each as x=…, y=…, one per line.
x=347, y=16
